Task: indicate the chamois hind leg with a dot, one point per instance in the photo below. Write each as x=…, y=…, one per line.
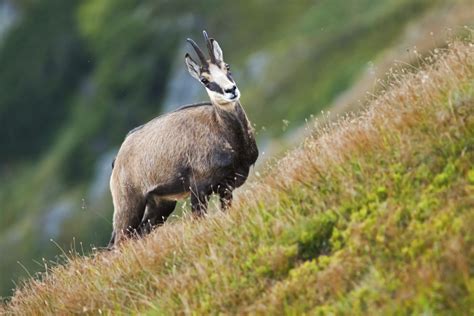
x=156, y=213
x=128, y=213
x=199, y=201
x=112, y=241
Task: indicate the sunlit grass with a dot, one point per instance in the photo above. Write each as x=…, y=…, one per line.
x=332, y=54
x=372, y=215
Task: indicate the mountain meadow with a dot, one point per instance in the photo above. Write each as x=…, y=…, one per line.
x=370, y=215
x=361, y=202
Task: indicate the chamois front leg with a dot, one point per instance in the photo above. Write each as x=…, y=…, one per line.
x=225, y=197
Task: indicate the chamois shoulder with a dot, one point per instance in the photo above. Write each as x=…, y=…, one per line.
x=184, y=108
x=193, y=105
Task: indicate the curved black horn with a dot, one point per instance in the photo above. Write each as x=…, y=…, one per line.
x=209, y=47
x=198, y=51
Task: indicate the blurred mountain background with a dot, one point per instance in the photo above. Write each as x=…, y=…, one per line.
x=76, y=76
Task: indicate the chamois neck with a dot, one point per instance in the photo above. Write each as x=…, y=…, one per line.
x=230, y=113
x=232, y=117
x=225, y=105
x=236, y=127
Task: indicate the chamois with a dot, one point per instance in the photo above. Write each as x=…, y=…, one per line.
x=197, y=150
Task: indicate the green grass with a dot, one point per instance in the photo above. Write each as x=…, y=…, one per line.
x=372, y=215
x=313, y=52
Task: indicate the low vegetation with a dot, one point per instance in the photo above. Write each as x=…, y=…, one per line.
x=372, y=215
x=99, y=68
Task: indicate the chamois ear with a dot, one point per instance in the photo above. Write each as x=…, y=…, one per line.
x=216, y=50
x=193, y=67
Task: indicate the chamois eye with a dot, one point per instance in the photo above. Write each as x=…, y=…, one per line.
x=205, y=81
x=227, y=67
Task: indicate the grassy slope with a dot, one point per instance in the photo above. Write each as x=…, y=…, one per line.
x=339, y=51
x=372, y=215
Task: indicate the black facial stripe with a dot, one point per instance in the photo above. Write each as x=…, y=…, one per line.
x=215, y=87
x=230, y=77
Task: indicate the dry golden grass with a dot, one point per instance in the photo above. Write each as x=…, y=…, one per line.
x=371, y=215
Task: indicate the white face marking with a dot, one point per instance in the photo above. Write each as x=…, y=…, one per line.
x=220, y=78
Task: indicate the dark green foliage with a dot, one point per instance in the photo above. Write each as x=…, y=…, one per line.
x=312, y=236
x=42, y=61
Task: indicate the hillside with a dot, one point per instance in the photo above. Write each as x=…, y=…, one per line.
x=372, y=215
x=76, y=76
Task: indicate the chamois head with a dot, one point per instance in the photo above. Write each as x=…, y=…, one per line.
x=213, y=73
